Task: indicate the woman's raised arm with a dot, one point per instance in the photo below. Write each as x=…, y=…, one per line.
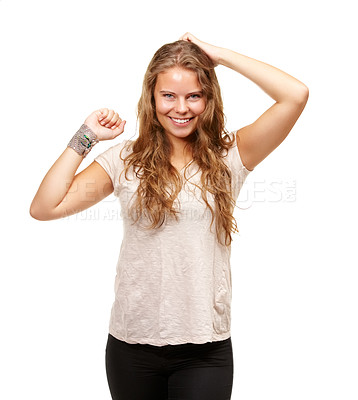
x=61, y=193
x=257, y=140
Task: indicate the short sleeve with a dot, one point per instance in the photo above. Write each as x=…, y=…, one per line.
x=112, y=163
x=238, y=169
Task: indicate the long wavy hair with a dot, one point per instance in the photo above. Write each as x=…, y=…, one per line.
x=160, y=182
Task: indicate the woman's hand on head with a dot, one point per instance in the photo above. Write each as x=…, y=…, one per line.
x=212, y=51
x=105, y=123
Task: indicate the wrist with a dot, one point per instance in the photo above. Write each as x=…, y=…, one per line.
x=83, y=140
x=224, y=56
x=220, y=56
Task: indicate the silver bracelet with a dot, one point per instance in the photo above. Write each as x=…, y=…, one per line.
x=83, y=141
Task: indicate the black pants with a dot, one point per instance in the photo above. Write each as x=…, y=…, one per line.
x=172, y=372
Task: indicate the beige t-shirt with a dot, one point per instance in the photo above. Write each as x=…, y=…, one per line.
x=173, y=283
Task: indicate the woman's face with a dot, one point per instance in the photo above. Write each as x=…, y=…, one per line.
x=179, y=101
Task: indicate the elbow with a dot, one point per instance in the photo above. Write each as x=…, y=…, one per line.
x=38, y=214
x=297, y=96
x=302, y=95
x=35, y=213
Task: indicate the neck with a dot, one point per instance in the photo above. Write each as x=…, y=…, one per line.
x=181, y=148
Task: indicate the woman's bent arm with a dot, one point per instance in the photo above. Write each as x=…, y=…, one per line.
x=61, y=193
x=257, y=140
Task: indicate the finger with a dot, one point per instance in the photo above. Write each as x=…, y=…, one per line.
x=188, y=37
x=117, y=123
x=103, y=112
x=114, y=120
x=106, y=120
x=119, y=129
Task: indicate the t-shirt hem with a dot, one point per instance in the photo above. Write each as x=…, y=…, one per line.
x=173, y=340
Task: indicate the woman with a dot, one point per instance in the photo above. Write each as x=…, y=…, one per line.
x=169, y=334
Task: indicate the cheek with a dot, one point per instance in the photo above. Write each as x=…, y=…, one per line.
x=162, y=107
x=199, y=107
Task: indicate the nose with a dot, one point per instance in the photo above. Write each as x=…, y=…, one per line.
x=181, y=106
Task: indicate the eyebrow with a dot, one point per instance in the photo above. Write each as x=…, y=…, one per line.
x=194, y=92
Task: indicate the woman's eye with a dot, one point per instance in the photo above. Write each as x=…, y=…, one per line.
x=195, y=96
x=168, y=95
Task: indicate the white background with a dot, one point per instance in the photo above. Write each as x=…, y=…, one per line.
x=294, y=264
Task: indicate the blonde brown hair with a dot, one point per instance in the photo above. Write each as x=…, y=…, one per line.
x=150, y=156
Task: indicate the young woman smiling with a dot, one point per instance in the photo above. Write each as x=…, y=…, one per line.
x=177, y=183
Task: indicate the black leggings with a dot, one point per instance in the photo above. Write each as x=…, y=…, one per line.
x=172, y=372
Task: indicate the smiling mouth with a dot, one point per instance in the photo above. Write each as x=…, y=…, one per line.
x=181, y=120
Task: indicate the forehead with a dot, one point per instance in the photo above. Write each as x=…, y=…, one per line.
x=178, y=80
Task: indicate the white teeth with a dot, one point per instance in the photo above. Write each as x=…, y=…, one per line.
x=181, y=121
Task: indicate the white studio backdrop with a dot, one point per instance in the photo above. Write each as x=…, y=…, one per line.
x=294, y=267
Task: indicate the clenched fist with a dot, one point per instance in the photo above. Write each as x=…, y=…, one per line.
x=105, y=123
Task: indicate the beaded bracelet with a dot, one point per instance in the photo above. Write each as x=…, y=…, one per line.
x=83, y=140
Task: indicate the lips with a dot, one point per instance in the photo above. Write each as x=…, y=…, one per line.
x=181, y=121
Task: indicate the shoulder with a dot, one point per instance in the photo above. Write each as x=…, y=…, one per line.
x=233, y=157
x=112, y=160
